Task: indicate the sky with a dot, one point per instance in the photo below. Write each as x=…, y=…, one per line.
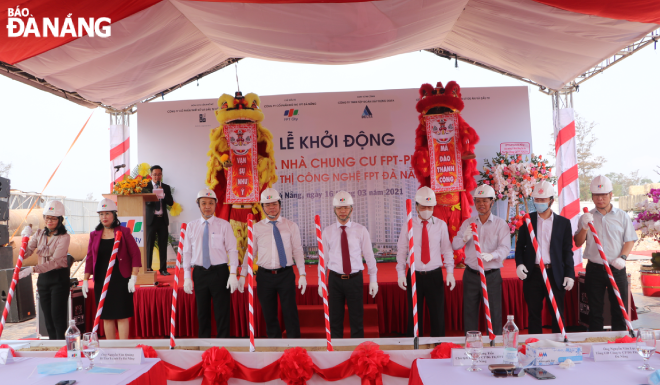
x=37, y=128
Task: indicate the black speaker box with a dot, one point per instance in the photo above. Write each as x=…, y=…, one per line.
x=6, y=257
x=5, y=186
x=4, y=234
x=4, y=211
x=22, y=304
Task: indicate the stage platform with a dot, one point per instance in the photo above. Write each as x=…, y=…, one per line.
x=153, y=306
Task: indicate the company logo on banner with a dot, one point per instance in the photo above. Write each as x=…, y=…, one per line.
x=243, y=175
x=136, y=225
x=366, y=113
x=447, y=169
x=78, y=27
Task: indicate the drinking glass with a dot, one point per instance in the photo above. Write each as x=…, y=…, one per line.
x=645, y=346
x=473, y=348
x=90, y=345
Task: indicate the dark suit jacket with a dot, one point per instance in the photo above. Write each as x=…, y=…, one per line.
x=561, y=248
x=153, y=206
x=128, y=255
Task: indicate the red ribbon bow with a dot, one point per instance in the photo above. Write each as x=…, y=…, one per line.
x=296, y=366
x=623, y=340
x=149, y=352
x=218, y=366
x=368, y=363
x=444, y=350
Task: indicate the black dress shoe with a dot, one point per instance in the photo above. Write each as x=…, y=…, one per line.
x=164, y=272
x=149, y=269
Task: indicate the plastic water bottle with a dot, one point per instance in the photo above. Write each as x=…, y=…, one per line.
x=510, y=338
x=73, y=350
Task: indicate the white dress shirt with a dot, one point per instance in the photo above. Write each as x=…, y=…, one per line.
x=439, y=246
x=264, y=247
x=359, y=245
x=543, y=236
x=494, y=239
x=222, y=247
x=614, y=229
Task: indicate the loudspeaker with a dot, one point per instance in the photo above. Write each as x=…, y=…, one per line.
x=4, y=211
x=4, y=234
x=22, y=304
x=5, y=186
x=6, y=257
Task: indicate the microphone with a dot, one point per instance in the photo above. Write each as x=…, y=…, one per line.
x=120, y=166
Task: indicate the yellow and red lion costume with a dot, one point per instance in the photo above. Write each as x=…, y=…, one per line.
x=452, y=207
x=239, y=109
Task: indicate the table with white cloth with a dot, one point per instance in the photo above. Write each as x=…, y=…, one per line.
x=429, y=371
x=23, y=370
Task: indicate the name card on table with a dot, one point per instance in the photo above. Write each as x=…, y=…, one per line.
x=120, y=356
x=615, y=352
x=5, y=356
x=488, y=356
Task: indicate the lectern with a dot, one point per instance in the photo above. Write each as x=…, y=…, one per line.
x=133, y=206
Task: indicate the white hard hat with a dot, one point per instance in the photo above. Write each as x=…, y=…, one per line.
x=206, y=193
x=342, y=198
x=106, y=205
x=484, y=191
x=54, y=209
x=425, y=196
x=270, y=195
x=601, y=185
x=543, y=189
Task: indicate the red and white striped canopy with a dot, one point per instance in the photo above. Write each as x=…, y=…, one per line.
x=155, y=44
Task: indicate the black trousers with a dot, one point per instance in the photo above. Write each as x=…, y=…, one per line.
x=159, y=227
x=211, y=285
x=269, y=286
x=596, y=282
x=346, y=292
x=535, y=292
x=473, y=297
x=53, y=287
x=430, y=286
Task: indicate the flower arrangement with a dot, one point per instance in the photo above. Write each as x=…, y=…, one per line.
x=130, y=185
x=515, y=223
x=513, y=178
x=648, y=219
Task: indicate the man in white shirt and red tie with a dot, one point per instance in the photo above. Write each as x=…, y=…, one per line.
x=432, y=250
x=344, y=245
x=276, y=246
x=210, y=248
x=495, y=244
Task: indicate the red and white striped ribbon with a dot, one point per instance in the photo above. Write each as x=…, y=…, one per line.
x=615, y=287
x=250, y=280
x=482, y=273
x=530, y=228
x=411, y=256
x=323, y=281
x=14, y=280
x=176, y=284
x=119, y=152
x=104, y=292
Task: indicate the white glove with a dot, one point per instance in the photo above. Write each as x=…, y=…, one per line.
x=241, y=284
x=373, y=289
x=187, y=285
x=131, y=284
x=403, y=282
x=302, y=284
x=618, y=263
x=160, y=194
x=25, y=272
x=486, y=257
x=27, y=231
x=320, y=291
x=451, y=282
x=232, y=283
x=568, y=283
x=521, y=271
x=85, y=287
x=467, y=235
x=584, y=221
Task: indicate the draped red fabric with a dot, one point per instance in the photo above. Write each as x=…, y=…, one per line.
x=641, y=11
x=157, y=375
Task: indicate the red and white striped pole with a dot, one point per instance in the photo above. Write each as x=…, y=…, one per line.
x=176, y=284
x=104, y=292
x=14, y=280
x=530, y=228
x=413, y=280
x=323, y=282
x=615, y=287
x=250, y=281
x=484, y=287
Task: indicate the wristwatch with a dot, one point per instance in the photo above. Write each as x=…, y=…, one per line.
x=624, y=257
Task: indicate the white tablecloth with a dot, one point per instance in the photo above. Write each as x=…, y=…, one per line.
x=24, y=372
x=588, y=372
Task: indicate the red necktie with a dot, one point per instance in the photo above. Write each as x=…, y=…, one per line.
x=345, y=254
x=426, y=254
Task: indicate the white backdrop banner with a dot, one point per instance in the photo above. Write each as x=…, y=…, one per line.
x=361, y=142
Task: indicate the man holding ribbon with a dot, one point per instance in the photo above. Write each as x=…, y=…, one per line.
x=432, y=247
x=277, y=243
x=157, y=219
x=617, y=235
x=209, y=246
x=495, y=242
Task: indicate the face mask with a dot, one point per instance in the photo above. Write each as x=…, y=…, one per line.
x=541, y=207
x=425, y=214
